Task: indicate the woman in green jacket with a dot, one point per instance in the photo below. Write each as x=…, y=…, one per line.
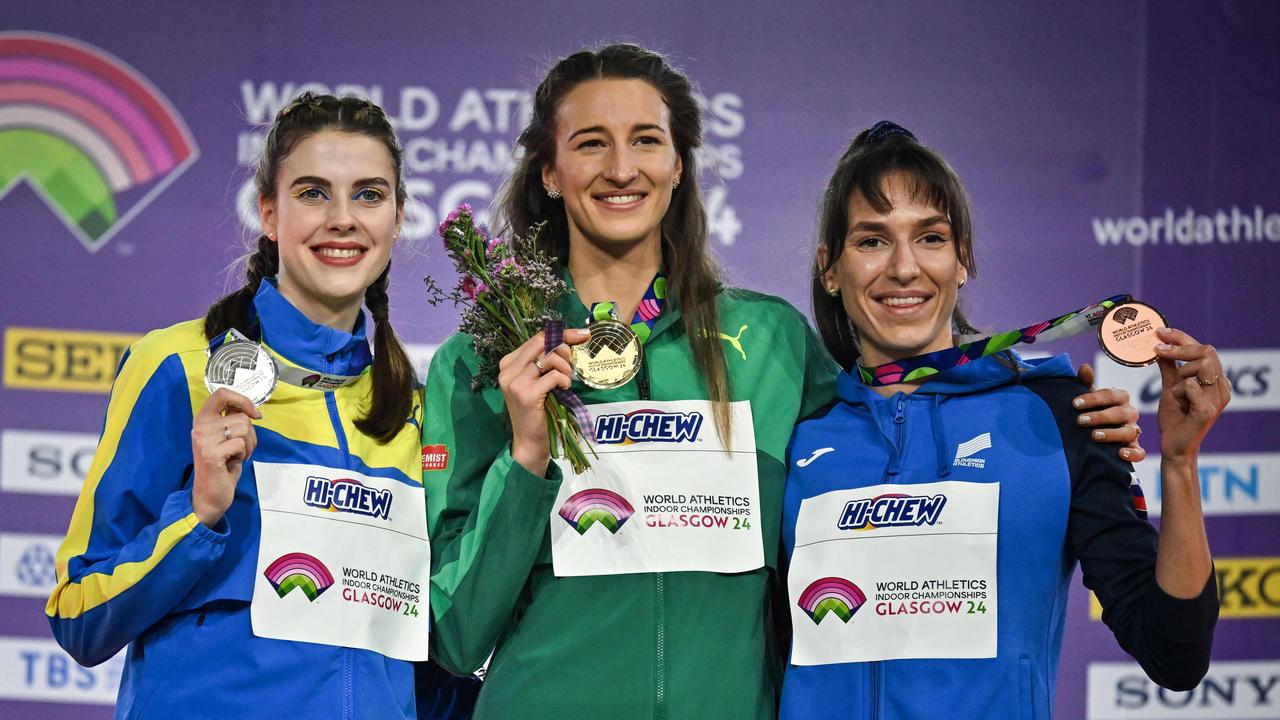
x=645, y=587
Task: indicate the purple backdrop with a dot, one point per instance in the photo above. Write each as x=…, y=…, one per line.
x=1107, y=147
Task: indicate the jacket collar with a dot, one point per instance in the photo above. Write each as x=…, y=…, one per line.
x=290, y=334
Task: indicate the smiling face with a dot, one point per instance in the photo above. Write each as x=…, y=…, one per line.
x=334, y=219
x=898, y=274
x=614, y=163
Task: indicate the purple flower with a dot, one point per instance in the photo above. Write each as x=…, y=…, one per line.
x=469, y=285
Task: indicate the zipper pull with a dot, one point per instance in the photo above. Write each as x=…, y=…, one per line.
x=900, y=417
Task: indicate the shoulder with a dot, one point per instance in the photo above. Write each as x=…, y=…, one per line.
x=763, y=308
x=152, y=349
x=458, y=347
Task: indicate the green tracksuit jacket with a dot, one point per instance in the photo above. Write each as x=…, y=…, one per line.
x=649, y=645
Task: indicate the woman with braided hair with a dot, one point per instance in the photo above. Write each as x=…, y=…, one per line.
x=213, y=526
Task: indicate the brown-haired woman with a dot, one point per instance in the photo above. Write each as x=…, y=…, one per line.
x=643, y=588
x=213, y=526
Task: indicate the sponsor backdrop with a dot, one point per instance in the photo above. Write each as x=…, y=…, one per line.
x=1107, y=147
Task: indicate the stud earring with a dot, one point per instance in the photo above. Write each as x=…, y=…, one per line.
x=553, y=193
x=675, y=183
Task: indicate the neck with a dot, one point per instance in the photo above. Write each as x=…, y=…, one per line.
x=621, y=275
x=339, y=317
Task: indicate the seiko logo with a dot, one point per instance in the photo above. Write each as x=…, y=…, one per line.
x=648, y=426
x=891, y=511
x=345, y=495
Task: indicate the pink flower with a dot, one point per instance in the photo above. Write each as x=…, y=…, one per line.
x=470, y=287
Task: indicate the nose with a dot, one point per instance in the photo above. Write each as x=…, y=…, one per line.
x=622, y=166
x=340, y=219
x=903, y=267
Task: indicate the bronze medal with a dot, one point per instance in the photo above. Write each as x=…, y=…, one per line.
x=1127, y=333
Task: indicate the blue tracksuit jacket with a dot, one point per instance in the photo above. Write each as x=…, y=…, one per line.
x=137, y=568
x=1063, y=499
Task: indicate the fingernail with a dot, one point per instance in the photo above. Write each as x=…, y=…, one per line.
x=1164, y=348
x=1078, y=403
x=1097, y=435
x=581, y=333
x=1082, y=419
x=1126, y=453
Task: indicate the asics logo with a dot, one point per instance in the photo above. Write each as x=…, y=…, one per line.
x=816, y=454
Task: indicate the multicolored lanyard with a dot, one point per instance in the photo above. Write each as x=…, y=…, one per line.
x=655, y=298
x=972, y=347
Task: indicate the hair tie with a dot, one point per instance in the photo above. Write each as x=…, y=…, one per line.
x=880, y=132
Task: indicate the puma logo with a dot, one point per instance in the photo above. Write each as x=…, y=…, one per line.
x=736, y=340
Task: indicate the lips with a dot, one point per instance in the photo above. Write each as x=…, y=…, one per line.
x=624, y=200
x=339, y=254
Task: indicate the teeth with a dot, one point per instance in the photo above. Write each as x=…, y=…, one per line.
x=338, y=252
x=621, y=199
x=896, y=301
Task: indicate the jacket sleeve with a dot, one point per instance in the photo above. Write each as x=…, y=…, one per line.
x=134, y=546
x=486, y=515
x=1171, y=638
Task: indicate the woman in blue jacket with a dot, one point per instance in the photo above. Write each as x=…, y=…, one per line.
x=211, y=532
x=932, y=526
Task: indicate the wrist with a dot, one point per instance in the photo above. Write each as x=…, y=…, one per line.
x=207, y=515
x=1182, y=463
x=534, y=459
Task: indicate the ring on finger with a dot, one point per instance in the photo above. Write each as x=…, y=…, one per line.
x=537, y=362
x=1137, y=430
x=226, y=432
x=1206, y=382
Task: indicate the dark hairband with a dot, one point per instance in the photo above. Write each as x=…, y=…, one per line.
x=879, y=132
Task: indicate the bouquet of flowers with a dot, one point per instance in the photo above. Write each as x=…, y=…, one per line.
x=508, y=290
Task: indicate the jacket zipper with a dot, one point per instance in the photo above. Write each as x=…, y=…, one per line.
x=660, y=601
x=331, y=404
x=875, y=689
x=899, y=419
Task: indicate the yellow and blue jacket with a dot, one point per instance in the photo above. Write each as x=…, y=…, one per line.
x=137, y=568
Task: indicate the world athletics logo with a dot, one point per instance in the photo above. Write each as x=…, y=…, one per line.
x=596, y=505
x=301, y=571
x=90, y=134
x=831, y=595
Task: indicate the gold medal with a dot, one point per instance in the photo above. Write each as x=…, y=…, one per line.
x=610, y=358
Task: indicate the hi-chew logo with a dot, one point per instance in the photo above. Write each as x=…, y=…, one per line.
x=596, y=505
x=831, y=595
x=891, y=510
x=301, y=571
x=966, y=450
x=90, y=134
x=347, y=495
x=648, y=426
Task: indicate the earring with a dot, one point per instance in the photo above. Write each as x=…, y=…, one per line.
x=833, y=291
x=675, y=183
x=553, y=193
x=962, y=282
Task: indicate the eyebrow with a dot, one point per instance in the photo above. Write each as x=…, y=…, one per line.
x=362, y=182
x=639, y=127
x=873, y=226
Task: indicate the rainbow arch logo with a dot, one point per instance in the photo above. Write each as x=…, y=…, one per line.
x=596, y=505
x=92, y=136
x=301, y=571
x=831, y=595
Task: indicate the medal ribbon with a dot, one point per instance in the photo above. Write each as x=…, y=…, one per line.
x=973, y=347
x=554, y=330
x=292, y=374
x=647, y=312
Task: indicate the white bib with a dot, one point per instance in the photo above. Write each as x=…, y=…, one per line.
x=895, y=571
x=662, y=496
x=343, y=560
